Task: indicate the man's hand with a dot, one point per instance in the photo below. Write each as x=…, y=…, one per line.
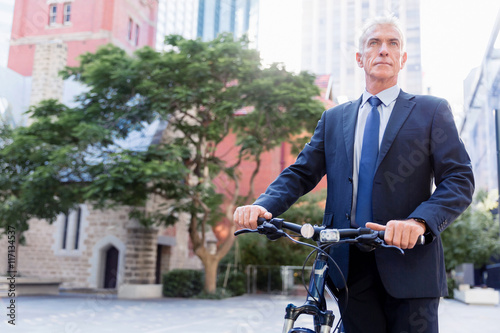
x=401, y=233
x=246, y=216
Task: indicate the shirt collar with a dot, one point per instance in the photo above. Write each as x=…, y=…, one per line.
x=386, y=96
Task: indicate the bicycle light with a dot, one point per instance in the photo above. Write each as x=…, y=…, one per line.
x=307, y=231
x=329, y=236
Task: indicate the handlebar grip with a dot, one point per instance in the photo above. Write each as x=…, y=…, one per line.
x=261, y=220
x=420, y=241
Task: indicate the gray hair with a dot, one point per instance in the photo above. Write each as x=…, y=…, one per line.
x=375, y=22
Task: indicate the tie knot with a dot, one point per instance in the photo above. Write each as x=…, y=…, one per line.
x=374, y=101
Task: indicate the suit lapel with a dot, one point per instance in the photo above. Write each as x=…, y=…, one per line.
x=401, y=111
x=350, y=115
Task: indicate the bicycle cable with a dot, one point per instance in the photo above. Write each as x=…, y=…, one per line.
x=322, y=250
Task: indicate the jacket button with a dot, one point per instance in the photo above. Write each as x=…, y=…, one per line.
x=347, y=216
x=350, y=180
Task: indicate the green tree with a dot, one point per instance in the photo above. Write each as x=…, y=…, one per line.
x=195, y=88
x=30, y=187
x=474, y=236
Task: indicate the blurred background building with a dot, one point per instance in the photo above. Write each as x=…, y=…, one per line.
x=482, y=106
x=176, y=17
x=236, y=16
x=6, y=15
x=330, y=36
x=48, y=35
x=86, y=248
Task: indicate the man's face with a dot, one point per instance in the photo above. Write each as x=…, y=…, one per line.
x=382, y=56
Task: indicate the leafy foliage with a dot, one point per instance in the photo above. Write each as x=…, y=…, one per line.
x=474, y=236
x=71, y=155
x=236, y=283
x=182, y=283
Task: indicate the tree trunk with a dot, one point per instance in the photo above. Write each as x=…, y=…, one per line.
x=211, y=266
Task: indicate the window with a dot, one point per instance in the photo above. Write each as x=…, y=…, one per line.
x=71, y=226
x=78, y=224
x=70, y=237
x=65, y=231
x=67, y=13
x=130, y=27
x=136, y=34
x=52, y=14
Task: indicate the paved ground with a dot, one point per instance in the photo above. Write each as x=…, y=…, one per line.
x=245, y=314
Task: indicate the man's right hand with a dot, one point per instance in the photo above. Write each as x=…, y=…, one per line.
x=246, y=216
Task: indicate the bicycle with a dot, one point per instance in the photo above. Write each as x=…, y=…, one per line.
x=315, y=304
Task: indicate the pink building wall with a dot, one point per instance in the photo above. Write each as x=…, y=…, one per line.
x=92, y=23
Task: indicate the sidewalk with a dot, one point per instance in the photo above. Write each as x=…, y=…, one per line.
x=246, y=314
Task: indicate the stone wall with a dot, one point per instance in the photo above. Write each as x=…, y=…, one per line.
x=79, y=262
x=140, y=258
x=50, y=58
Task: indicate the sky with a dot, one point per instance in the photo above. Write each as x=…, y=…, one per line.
x=6, y=13
x=452, y=49
x=454, y=35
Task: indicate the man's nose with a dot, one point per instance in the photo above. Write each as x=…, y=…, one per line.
x=384, y=50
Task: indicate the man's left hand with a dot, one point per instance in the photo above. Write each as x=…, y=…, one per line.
x=401, y=233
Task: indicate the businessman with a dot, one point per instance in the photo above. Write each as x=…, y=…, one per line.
x=393, y=162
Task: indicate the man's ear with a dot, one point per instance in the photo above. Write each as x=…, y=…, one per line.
x=403, y=60
x=359, y=59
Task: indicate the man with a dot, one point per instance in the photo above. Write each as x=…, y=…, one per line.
x=382, y=155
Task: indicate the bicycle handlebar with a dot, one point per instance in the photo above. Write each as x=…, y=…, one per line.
x=273, y=229
x=366, y=239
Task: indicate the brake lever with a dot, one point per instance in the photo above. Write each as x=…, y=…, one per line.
x=369, y=242
x=270, y=230
x=384, y=245
x=266, y=228
x=244, y=231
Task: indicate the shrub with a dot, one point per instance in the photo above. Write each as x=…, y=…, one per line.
x=236, y=283
x=473, y=237
x=219, y=294
x=182, y=283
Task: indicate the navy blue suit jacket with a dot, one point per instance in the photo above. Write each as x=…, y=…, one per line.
x=420, y=147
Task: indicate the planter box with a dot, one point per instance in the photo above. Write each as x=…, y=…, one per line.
x=26, y=286
x=136, y=291
x=477, y=296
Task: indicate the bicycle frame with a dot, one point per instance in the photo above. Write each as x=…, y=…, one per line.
x=315, y=304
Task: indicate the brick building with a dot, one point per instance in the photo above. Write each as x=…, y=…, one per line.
x=90, y=248
x=87, y=248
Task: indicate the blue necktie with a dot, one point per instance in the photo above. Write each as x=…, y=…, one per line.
x=369, y=154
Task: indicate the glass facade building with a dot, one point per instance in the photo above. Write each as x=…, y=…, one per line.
x=481, y=126
x=330, y=35
x=177, y=17
x=236, y=16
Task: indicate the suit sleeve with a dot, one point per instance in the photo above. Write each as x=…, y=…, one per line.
x=300, y=177
x=453, y=174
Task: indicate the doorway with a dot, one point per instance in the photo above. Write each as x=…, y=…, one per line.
x=111, y=268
